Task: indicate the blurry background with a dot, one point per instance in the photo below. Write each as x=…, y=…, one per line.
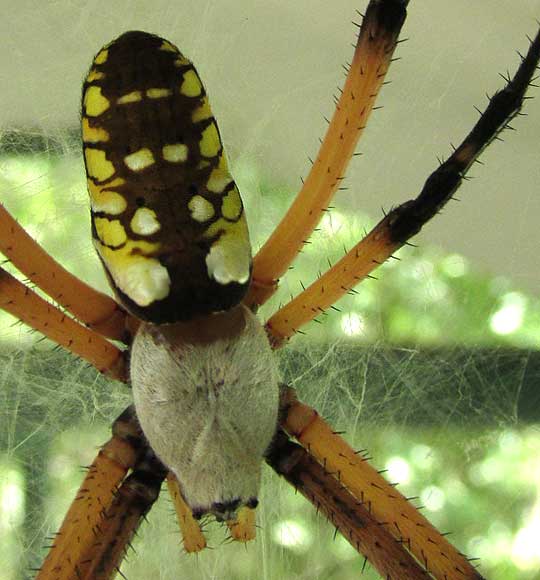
x=433, y=367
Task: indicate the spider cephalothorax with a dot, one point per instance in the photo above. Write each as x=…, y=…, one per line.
x=208, y=406
x=169, y=226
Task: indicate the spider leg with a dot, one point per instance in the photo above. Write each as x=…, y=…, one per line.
x=353, y=518
x=109, y=507
x=27, y=306
x=406, y=220
x=119, y=522
x=93, y=308
x=70, y=555
x=385, y=503
x=376, y=43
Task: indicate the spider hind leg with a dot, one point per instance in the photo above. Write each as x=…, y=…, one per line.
x=372, y=57
x=26, y=305
x=407, y=219
x=95, y=309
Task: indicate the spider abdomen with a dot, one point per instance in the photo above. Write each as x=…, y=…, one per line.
x=167, y=218
x=208, y=407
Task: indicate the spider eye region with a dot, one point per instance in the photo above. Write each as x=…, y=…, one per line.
x=150, y=139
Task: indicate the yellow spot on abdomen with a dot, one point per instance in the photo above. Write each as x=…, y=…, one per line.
x=182, y=61
x=158, y=93
x=218, y=180
x=223, y=162
x=201, y=209
x=101, y=57
x=97, y=164
x=94, y=102
x=93, y=134
x=139, y=160
x=145, y=222
x=168, y=46
x=210, y=143
x=229, y=258
x=133, y=97
x=143, y=278
x=94, y=75
x=220, y=177
x=175, y=152
x=231, y=207
x=102, y=199
x=191, y=87
x=110, y=232
x=203, y=164
x=203, y=112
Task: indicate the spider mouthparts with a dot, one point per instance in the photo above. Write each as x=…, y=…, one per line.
x=225, y=511
x=225, y=517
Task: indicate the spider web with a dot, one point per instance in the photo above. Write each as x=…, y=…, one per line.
x=453, y=423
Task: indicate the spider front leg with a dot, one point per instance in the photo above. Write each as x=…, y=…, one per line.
x=351, y=517
x=120, y=521
x=72, y=552
x=357, y=499
x=109, y=507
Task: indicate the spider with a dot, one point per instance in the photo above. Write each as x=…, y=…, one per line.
x=169, y=227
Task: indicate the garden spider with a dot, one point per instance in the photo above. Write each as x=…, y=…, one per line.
x=100, y=524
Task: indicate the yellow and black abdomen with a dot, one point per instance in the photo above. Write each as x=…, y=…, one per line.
x=167, y=218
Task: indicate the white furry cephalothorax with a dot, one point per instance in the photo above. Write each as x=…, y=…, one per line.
x=207, y=400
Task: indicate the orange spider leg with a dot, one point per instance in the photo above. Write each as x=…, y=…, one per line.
x=407, y=219
x=243, y=528
x=68, y=557
x=372, y=57
x=353, y=518
x=384, y=501
x=27, y=306
x=119, y=522
x=356, y=265
x=95, y=309
x=194, y=540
